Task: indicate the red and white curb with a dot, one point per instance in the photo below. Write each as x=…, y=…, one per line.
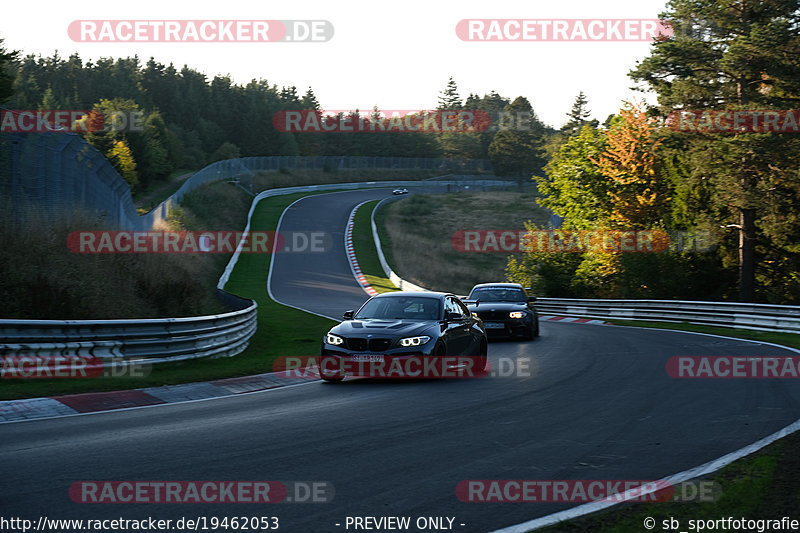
x=572, y=319
x=93, y=402
x=351, y=253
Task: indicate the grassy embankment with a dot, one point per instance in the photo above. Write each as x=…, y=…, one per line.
x=416, y=234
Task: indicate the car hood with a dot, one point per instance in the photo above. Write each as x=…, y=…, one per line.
x=390, y=328
x=498, y=306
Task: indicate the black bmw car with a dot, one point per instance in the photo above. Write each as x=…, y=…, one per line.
x=505, y=308
x=405, y=334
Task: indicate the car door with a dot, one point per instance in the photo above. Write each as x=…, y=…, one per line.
x=474, y=332
x=457, y=333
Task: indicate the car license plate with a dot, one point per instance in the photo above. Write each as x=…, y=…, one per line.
x=494, y=325
x=368, y=358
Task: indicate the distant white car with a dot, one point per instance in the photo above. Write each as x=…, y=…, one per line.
x=400, y=191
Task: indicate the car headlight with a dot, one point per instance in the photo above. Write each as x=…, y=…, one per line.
x=516, y=314
x=336, y=340
x=414, y=341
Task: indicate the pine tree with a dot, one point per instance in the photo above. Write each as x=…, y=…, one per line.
x=578, y=115
x=724, y=55
x=49, y=101
x=448, y=98
x=6, y=77
x=309, y=100
x=517, y=150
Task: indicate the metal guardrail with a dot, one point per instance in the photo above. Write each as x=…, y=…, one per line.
x=398, y=282
x=125, y=342
x=765, y=317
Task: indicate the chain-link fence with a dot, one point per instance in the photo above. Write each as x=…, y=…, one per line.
x=53, y=174
x=50, y=175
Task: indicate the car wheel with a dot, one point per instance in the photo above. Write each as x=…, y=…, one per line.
x=440, y=350
x=530, y=333
x=483, y=356
x=536, y=327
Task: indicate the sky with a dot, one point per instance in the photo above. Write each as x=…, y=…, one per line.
x=396, y=55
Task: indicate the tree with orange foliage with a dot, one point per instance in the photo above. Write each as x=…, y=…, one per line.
x=629, y=164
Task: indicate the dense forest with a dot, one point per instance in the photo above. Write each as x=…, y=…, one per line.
x=190, y=120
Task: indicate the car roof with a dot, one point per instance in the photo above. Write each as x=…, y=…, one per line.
x=429, y=294
x=498, y=285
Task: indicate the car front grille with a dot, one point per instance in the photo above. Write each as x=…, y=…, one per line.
x=357, y=344
x=379, y=345
x=493, y=315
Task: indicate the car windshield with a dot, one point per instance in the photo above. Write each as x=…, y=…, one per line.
x=498, y=294
x=400, y=307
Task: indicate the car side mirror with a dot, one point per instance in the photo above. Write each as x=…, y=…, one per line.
x=531, y=298
x=348, y=315
x=453, y=316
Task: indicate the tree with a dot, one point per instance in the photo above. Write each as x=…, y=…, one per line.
x=6, y=75
x=226, y=150
x=637, y=193
x=121, y=157
x=517, y=149
x=49, y=100
x=155, y=161
x=578, y=115
x=573, y=187
x=448, y=98
x=744, y=54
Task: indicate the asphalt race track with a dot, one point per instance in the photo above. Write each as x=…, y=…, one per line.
x=598, y=404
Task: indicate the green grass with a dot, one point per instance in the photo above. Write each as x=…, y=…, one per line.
x=282, y=331
x=417, y=235
x=762, y=485
x=366, y=252
x=777, y=337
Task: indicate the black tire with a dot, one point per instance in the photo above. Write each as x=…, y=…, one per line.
x=440, y=350
x=483, y=356
x=536, y=327
x=530, y=333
